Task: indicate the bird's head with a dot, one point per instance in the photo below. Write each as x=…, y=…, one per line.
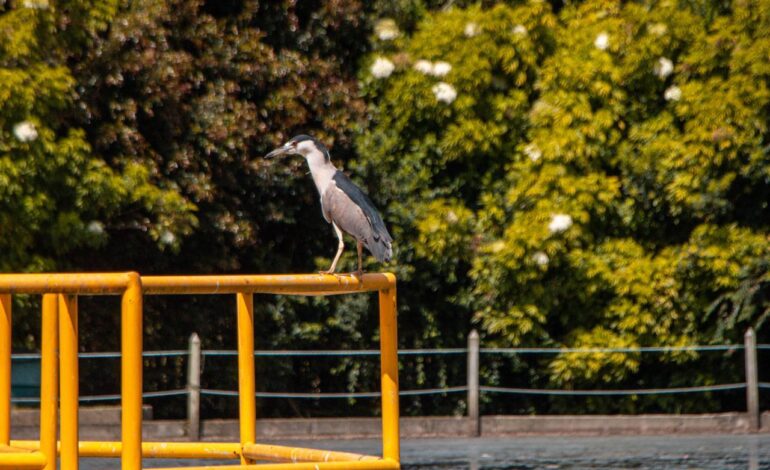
x=302, y=144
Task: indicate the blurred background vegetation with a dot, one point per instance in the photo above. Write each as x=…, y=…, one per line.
x=582, y=174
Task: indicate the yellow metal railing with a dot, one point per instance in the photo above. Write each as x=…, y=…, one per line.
x=60, y=293
x=60, y=331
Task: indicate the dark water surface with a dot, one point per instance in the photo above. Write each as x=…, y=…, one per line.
x=717, y=452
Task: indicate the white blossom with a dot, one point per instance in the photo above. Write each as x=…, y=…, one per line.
x=672, y=93
x=451, y=217
x=386, y=29
x=444, y=92
x=520, y=30
x=471, y=29
x=664, y=67
x=441, y=68
x=658, y=29
x=541, y=258
x=167, y=238
x=96, y=227
x=382, y=68
x=559, y=223
x=36, y=4
x=602, y=41
x=25, y=131
x=533, y=152
x=423, y=66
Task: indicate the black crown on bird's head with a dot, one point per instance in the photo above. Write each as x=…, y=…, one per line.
x=303, y=137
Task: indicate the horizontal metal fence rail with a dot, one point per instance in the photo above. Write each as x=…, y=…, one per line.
x=659, y=349
x=415, y=352
x=627, y=392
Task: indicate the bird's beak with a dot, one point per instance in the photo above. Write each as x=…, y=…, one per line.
x=279, y=151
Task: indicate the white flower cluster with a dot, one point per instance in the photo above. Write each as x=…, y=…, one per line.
x=386, y=29
x=441, y=68
x=424, y=66
x=663, y=68
x=25, y=131
x=167, y=238
x=520, y=30
x=95, y=227
x=444, y=92
x=471, y=29
x=672, y=93
x=602, y=41
x=382, y=68
x=437, y=69
x=559, y=223
x=540, y=258
x=533, y=152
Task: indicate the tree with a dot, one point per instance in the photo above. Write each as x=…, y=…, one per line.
x=599, y=180
x=57, y=195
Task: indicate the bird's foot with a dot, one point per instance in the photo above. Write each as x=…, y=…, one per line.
x=327, y=271
x=359, y=273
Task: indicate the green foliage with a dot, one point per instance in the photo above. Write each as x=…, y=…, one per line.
x=588, y=174
x=600, y=179
x=57, y=195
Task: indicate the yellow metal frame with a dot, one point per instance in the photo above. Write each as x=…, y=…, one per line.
x=59, y=331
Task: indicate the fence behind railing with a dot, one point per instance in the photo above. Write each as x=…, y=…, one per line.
x=472, y=387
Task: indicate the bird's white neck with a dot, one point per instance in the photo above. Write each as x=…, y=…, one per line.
x=321, y=169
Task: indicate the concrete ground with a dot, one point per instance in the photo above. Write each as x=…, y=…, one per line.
x=717, y=452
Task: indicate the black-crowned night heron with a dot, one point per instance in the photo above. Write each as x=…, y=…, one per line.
x=344, y=204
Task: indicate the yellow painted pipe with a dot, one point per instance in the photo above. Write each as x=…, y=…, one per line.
x=384, y=464
x=12, y=458
x=5, y=369
x=246, y=380
x=49, y=380
x=307, y=284
x=389, y=374
x=131, y=374
x=66, y=283
x=68, y=383
x=157, y=450
x=275, y=453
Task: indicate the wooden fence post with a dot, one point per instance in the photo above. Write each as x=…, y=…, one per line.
x=474, y=420
x=194, y=389
x=752, y=383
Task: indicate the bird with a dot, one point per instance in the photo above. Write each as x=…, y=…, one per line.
x=343, y=204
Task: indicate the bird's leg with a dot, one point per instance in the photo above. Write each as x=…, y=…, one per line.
x=360, y=247
x=340, y=247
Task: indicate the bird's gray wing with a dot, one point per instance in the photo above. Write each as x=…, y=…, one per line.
x=349, y=216
x=367, y=207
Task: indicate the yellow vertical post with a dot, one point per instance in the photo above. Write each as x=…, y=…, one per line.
x=5, y=369
x=131, y=375
x=68, y=370
x=389, y=374
x=49, y=381
x=246, y=381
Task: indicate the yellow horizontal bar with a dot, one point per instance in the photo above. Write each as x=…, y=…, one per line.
x=385, y=464
x=68, y=283
x=300, y=284
x=217, y=450
x=299, y=454
x=14, y=458
x=160, y=450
